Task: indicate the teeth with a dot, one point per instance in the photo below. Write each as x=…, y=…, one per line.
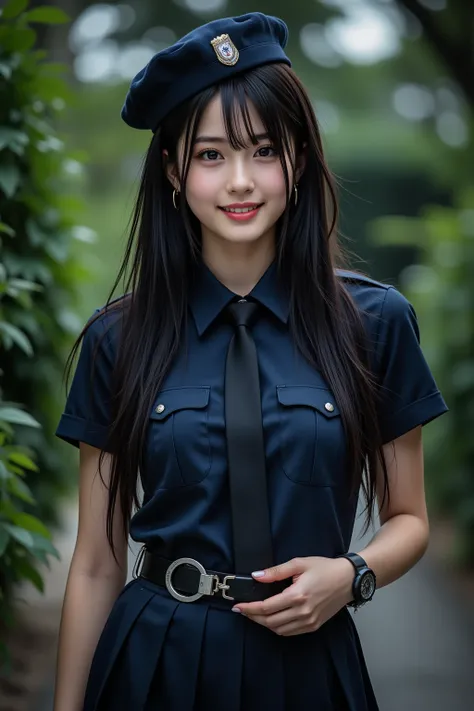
x=239, y=209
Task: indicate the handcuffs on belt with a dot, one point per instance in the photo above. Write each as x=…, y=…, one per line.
x=208, y=584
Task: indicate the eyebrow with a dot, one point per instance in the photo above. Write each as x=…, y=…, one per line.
x=221, y=139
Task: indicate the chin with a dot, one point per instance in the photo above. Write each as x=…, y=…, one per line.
x=243, y=238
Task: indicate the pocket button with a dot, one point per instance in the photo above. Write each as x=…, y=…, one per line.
x=329, y=407
x=160, y=408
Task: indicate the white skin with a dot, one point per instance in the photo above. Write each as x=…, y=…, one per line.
x=238, y=253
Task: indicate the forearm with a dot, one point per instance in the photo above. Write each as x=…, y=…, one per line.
x=87, y=604
x=396, y=547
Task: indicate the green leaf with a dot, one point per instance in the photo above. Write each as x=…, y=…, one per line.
x=12, y=138
x=24, y=285
x=6, y=229
x=31, y=523
x=19, y=39
x=35, y=234
x=47, y=14
x=4, y=473
x=21, y=490
x=49, y=87
x=4, y=538
x=5, y=70
x=13, y=8
x=7, y=509
x=57, y=251
x=44, y=545
x=18, y=417
x=23, y=460
x=28, y=572
x=10, y=177
x=16, y=336
x=20, y=535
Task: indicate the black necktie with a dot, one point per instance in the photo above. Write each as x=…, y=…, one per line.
x=245, y=446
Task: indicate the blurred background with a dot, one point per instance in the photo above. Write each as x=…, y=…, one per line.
x=392, y=86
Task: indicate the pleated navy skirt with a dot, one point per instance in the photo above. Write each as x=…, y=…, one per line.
x=157, y=653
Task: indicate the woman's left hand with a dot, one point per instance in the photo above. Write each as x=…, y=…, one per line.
x=321, y=587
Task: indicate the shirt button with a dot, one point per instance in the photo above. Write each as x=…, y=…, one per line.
x=329, y=407
x=160, y=409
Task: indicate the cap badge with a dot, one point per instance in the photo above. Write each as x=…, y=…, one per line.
x=225, y=49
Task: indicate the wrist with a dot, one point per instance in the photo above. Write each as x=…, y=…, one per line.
x=347, y=579
x=364, y=581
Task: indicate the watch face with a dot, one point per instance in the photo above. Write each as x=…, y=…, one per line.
x=367, y=585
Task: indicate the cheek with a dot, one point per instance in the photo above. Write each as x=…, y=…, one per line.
x=274, y=184
x=201, y=186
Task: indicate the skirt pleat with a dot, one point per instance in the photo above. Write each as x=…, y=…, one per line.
x=349, y=662
x=177, y=674
x=306, y=669
x=123, y=616
x=158, y=654
x=136, y=669
x=263, y=682
x=220, y=676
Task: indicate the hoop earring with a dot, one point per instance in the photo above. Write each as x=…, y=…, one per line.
x=175, y=195
x=296, y=194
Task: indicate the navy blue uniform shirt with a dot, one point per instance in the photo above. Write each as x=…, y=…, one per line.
x=186, y=507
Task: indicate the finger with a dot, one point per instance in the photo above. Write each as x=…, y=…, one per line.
x=274, y=622
x=296, y=566
x=294, y=628
x=270, y=606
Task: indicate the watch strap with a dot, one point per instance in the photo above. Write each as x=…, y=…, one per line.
x=357, y=561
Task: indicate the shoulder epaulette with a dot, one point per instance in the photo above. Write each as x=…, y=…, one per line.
x=112, y=304
x=359, y=278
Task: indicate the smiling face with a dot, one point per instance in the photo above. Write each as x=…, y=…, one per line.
x=237, y=194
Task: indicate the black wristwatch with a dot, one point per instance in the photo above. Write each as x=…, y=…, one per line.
x=365, y=582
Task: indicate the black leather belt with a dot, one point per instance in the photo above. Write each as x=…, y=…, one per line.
x=187, y=580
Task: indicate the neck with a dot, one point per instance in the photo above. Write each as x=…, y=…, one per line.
x=239, y=267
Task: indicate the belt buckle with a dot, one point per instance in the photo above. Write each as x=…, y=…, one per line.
x=223, y=587
x=208, y=584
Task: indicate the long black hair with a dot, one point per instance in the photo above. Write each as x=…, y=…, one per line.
x=164, y=248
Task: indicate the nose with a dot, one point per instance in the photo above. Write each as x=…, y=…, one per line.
x=240, y=178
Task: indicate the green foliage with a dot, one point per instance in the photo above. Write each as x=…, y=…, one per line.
x=37, y=276
x=441, y=288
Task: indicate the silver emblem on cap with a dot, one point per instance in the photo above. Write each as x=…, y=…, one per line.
x=226, y=51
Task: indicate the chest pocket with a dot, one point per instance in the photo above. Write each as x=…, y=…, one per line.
x=178, y=443
x=312, y=444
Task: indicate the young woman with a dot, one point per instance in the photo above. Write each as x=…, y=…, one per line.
x=251, y=388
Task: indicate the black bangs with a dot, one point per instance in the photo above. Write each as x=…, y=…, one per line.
x=235, y=97
x=278, y=116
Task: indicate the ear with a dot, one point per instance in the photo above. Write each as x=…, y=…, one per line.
x=171, y=170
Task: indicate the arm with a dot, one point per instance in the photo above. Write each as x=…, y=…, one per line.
x=403, y=536
x=322, y=586
x=93, y=583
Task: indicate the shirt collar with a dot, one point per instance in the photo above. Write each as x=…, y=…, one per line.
x=209, y=296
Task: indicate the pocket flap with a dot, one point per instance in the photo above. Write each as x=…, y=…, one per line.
x=173, y=399
x=320, y=399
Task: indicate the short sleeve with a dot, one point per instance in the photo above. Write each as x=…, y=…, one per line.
x=409, y=394
x=86, y=415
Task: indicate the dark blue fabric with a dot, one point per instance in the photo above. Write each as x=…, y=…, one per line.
x=186, y=509
x=156, y=653
x=190, y=65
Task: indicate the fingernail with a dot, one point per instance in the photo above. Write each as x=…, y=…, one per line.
x=235, y=609
x=258, y=574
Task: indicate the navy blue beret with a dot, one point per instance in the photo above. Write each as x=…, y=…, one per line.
x=205, y=56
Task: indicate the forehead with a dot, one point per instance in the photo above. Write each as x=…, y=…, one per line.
x=212, y=122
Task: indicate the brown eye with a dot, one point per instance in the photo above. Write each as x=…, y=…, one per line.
x=209, y=155
x=266, y=152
